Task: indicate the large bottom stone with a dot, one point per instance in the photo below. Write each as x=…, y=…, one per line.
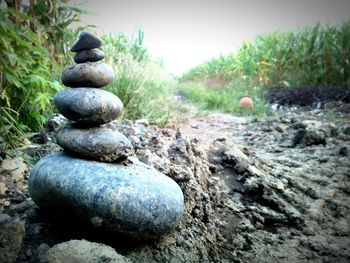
x=132, y=199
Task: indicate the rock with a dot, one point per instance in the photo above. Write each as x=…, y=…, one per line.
x=55, y=122
x=314, y=137
x=346, y=130
x=98, y=143
x=4, y=218
x=144, y=122
x=12, y=232
x=132, y=199
x=343, y=151
x=22, y=207
x=299, y=125
x=41, y=251
x=298, y=137
x=3, y=189
x=91, y=55
x=88, y=105
x=86, y=41
x=15, y=166
x=88, y=74
x=236, y=157
x=74, y=251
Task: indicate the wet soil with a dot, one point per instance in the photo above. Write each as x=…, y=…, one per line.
x=272, y=189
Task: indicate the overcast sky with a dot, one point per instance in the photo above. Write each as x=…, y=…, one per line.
x=185, y=33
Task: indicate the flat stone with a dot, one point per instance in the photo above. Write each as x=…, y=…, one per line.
x=91, y=55
x=88, y=105
x=86, y=41
x=88, y=74
x=98, y=143
x=133, y=199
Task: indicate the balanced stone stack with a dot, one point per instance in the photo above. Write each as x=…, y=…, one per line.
x=91, y=181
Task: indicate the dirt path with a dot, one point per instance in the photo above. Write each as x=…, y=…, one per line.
x=287, y=181
x=209, y=128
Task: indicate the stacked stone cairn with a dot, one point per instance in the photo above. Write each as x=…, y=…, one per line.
x=96, y=180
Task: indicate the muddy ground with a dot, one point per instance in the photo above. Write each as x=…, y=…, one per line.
x=273, y=189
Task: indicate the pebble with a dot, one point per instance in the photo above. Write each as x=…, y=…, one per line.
x=346, y=130
x=343, y=151
x=86, y=41
x=132, y=199
x=314, y=137
x=98, y=143
x=4, y=218
x=91, y=55
x=42, y=249
x=88, y=105
x=3, y=189
x=88, y=74
x=144, y=122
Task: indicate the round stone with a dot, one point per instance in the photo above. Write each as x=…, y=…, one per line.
x=88, y=74
x=98, y=143
x=91, y=55
x=88, y=105
x=86, y=41
x=133, y=199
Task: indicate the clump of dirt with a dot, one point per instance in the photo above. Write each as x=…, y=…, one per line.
x=274, y=189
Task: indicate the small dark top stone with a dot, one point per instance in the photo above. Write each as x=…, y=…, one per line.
x=91, y=55
x=88, y=105
x=88, y=74
x=86, y=41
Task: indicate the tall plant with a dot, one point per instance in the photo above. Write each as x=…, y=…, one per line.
x=31, y=44
x=317, y=55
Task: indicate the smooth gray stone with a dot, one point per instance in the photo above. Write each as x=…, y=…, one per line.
x=88, y=105
x=98, y=143
x=88, y=74
x=91, y=55
x=132, y=199
x=86, y=41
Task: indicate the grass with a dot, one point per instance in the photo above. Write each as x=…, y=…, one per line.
x=316, y=56
x=141, y=82
x=313, y=56
x=226, y=98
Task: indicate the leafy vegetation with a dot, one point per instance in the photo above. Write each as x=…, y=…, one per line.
x=142, y=84
x=32, y=37
x=314, y=56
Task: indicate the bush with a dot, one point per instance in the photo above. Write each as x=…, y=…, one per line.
x=33, y=44
x=26, y=88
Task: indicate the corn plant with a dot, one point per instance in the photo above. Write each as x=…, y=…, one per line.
x=314, y=56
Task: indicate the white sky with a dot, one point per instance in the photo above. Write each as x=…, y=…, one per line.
x=185, y=33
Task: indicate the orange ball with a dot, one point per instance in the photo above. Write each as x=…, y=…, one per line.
x=246, y=102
